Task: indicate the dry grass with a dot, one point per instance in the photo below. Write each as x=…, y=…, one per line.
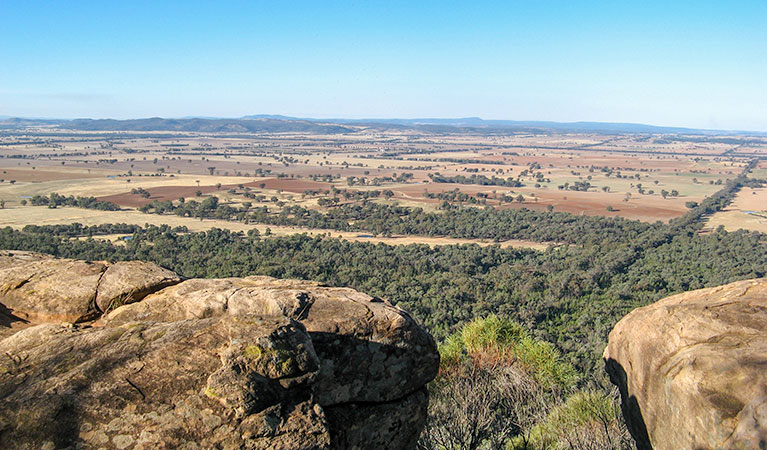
x=747, y=212
x=760, y=173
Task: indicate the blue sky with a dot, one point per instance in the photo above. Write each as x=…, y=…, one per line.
x=679, y=63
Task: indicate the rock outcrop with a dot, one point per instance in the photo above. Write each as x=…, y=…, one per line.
x=38, y=288
x=692, y=369
x=223, y=363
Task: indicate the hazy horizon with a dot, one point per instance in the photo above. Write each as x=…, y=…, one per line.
x=691, y=64
x=522, y=122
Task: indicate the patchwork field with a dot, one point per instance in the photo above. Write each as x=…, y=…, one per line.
x=644, y=177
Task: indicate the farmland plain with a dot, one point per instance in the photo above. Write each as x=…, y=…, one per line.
x=643, y=177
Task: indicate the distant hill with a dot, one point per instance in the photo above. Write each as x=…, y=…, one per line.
x=7, y=123
x=521, y=125
x=270, y=123
x=207, y=125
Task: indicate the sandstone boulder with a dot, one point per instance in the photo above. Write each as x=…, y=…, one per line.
x=224, y=363
x=230, y=381
x=692, y=369
x=369, y=425
x=126, y=282
x=39, y=288
x=369, y=350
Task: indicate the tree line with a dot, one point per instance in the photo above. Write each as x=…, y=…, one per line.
x=55, y=200
x=481, y=180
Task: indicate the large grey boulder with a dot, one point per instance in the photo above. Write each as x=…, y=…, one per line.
x=233, y=382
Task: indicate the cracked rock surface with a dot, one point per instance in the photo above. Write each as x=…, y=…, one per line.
x=692, y=369
x=222, y=363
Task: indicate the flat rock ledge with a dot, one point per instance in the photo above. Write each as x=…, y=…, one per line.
x=692, y=369
x=131, y=356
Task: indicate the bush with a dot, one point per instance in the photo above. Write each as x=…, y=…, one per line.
x=497, y=341
x=482, y=407
x=491, y=334
x=587, y=420
x=545, y=363
x=496, y=382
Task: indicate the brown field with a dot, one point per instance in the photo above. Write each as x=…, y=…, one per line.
x=169, y=193
x=646, y=208
x=29, y=175
x=296, y=186
x=161, y=193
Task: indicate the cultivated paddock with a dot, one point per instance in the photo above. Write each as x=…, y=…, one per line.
x=747, y=212
x=642, y=177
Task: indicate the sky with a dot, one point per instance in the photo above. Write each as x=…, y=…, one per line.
x=699, y=64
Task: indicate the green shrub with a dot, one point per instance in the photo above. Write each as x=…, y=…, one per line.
x=451, y=351
x=492, y=334
x=587, y=420
x=495, y=340
x=545, y=364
